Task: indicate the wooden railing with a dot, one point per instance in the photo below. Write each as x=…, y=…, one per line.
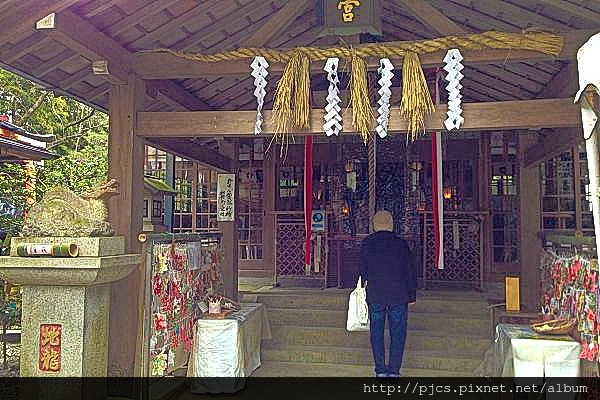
x=463, y=249
x=289, y=249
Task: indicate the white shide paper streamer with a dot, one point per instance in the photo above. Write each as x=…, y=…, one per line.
x=259, y=72
x=333, y=118
x=386, y=71
x=453, y=67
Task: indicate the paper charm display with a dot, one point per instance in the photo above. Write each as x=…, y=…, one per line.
x=454, y=67
x=386, y=71
x=333, y=118
x=259, y=72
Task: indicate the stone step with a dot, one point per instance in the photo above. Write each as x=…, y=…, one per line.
x=339, y=337
x=433, y=360
x=298, y=369
x=330, y=302
x=438, y=322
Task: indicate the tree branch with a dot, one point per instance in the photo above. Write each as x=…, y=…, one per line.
x=80, y=121
x=76, y=135
x=33, y=108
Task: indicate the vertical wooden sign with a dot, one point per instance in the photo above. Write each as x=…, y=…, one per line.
x=512, y=294
x=50, y=347
x=225, y=197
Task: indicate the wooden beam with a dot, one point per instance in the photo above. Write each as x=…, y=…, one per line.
x=67, y=83
x=523, y=114
x=177, y=93
x=530, y=246
x=22, y=16
x=563, y=84
x=194, y=152
x=48, y=66
x=277, y=22
x=168, y=66
x=551, y=143
x=147, y=41
x=100, y=8
x=236, y=18
x=127, y=22
x=229, y=230
x=126, y=164
x=97, y=92
x=81, y=36
x=30, y=45
x=432, y=17
x=580, y=12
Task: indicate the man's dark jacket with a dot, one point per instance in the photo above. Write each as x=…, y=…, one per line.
x=389, y=268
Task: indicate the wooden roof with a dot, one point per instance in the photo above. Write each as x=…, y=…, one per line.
x=113, y=30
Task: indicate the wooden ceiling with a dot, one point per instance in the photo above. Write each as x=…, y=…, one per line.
x=92, y=30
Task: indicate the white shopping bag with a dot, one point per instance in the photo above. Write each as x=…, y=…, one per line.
x=358, y=311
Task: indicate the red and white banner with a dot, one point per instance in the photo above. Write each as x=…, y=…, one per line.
x=438, y=199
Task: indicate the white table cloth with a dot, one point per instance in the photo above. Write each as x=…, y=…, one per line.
x=227, y=348
x=521, y=352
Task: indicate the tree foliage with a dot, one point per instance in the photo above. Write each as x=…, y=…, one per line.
x=81, y=142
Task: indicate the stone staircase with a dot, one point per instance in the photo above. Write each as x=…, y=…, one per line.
x=448, y=334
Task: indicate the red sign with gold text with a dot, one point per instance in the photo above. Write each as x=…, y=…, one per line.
x=50, y=347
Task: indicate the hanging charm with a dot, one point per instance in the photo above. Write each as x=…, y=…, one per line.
x=333, y=118
x=454, y=67
x=385, y=83
x=259, y=72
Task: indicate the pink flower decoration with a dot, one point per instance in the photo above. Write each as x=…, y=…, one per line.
x=156, y=285
x=160, y=322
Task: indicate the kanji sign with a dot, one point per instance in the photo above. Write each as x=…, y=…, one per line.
x=50, y=347
x=226, y=197
x=350, y=17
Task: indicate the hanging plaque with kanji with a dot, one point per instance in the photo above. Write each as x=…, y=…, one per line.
x=349, y=17
x=226, y=197
x=50, y=347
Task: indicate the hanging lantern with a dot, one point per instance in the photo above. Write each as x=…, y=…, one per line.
x=346, y=209
x=349, y=17
x=448, y=193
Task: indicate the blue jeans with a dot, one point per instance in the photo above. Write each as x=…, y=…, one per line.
x=397, y=316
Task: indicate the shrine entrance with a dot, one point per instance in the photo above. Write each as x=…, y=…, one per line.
x=341, y=181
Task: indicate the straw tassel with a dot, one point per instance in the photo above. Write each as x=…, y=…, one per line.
x=416, y=99
x=362, y=113
x=291, y=107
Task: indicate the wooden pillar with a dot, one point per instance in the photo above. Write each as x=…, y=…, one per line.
x=126, y=164
x=270, y=187
x=169, y=199
x=229, y=231
x=530, y=214
x=483, y=181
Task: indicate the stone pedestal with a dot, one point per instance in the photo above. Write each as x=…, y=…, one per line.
x=65, y=314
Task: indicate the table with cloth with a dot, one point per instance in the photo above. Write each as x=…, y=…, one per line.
x=521, y=351
x=532, y=359
x=228, y=347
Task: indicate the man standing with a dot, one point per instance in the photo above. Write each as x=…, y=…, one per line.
x=388, y=269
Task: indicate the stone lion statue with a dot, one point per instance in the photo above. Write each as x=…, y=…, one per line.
x=62, y=213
